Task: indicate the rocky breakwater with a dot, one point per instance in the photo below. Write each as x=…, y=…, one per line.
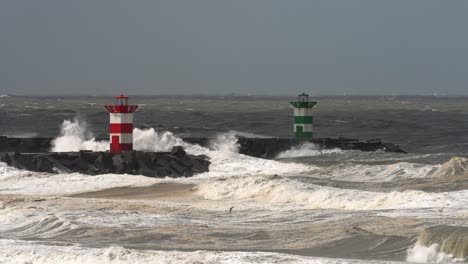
x=270, y=148
x=257, y=147
x=176, y=163
x=25, y=144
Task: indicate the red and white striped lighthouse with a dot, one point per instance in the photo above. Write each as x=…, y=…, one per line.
x=121, y=124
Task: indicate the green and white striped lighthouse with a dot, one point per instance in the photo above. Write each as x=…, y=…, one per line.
x=303, y=117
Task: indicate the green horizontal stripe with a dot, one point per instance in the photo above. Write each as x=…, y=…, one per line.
x=303, y=135
x=303, y=119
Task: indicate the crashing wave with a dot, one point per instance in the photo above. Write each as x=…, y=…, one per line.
x=150, y=140
x=223, y=155
x=440, y=244
x=306, y=150
x=456, y=166
x=428, y=254
x=247, y=134
x=15, y=181
x=75, y=136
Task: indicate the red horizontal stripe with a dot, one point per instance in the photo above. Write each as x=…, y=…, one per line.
x=116, y=148
x=121, y=128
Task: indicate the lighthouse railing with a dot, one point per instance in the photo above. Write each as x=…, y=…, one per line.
x=121, y=108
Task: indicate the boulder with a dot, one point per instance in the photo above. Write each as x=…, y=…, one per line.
x=150, y=164
x=145, y=169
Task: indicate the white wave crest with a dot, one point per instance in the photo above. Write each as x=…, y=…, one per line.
x=223, y=150
x=15, y=251
x=456, y=166
x=226, y=161
x=14, y=181
x=431, y=254
x=306, y=150
x=247, y=134
x=275, y=189
x=226, y=142
x=150, y=140
x=75, y=136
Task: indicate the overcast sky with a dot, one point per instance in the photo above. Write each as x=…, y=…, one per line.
x=239, y=46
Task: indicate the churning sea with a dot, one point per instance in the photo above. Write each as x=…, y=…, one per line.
x=304, y=206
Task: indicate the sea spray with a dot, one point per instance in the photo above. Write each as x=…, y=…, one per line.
x=440, y=243
x=75, y=136
x=150, y=140
x=223, y=151
x=226, y=142
x=306, y=150
x=429, y=254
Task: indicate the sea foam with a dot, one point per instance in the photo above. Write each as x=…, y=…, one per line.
x=430, y=254
x=13, y=251
x=306, y=150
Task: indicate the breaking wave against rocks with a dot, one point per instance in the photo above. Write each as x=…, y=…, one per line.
x=306, y=150
x=74, y=136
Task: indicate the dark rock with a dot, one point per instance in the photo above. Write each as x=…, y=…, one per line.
x=162, y=160
x=161, y=172
x=5, y=157
x=199, y=166
x=103, y=163
x=3, y=140
x=144, y=169
x=177, y=168
x=178, y=151
x=59, y=165
x=389, y=147
x=43, y=164
x=92, y=170
x=118, y=163
x=185, y=161
x=134, y=162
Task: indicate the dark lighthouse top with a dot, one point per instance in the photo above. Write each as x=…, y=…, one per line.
x=121, y=105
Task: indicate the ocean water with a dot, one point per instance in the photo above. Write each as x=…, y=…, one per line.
x=304, y=206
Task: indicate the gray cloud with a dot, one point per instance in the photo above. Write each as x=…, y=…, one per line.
x=242, y=46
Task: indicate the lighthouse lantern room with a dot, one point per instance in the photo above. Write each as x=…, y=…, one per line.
x=121, y=124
